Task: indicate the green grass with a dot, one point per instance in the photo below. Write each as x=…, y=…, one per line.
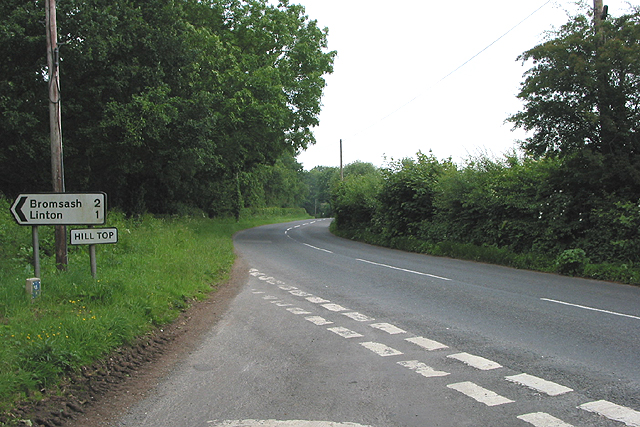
x=145, y=280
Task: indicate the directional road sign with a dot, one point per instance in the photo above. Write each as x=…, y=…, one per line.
x=60, y=209
x=94, y=236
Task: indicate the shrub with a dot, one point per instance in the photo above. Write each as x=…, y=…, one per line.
x=572, y=262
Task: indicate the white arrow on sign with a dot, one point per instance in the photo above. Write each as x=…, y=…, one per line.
x=60, y=209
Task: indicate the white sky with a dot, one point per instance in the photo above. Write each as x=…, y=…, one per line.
x=390, y=52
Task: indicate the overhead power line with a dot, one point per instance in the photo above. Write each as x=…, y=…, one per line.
x=452, y=72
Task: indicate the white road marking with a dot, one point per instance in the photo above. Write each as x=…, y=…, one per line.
x=475, y=361
x=299, y=293
x=258, y=292
x=388, y=328
x=381, y=349
x=540, y=419
x=479, y=394
x=613, y=412
x=317, y=248
x=320, y=321
x=298, y=310
x=265, y=278
x=269, y=297
x=317, y=300
x=276, y=423
x=287, y=288
x=402, y=269
x=334, y=307
x=422, y=369
x=344, y=332
x=426, y=343
x=539, y=384
x=359, y=317
x=282, y=304
x=584, y=307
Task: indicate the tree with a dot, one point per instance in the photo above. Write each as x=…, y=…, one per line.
x=162, y=101
x=355, y=199
x=582, y=101
x=320, y=180
x=408, y=193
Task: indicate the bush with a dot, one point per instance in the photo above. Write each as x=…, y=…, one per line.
x=572, y=262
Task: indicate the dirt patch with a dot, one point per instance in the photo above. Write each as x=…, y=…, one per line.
x=101, y=392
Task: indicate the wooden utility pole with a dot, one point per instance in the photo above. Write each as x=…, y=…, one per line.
x=55, y=124
x=597, y=12
x=341, y=169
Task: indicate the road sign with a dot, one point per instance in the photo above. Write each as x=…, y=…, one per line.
x=60, y=209
x=94, y=236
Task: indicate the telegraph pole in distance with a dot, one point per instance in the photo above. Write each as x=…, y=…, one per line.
x=55, y=124
x=341, y=169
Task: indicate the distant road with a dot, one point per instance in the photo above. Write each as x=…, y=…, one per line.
x=330, y=332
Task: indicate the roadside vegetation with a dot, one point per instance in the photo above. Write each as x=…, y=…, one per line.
x=158, y=267
x=213, y=100
x=511, y=211
x=568, y=201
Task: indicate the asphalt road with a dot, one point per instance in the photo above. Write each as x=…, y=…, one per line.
x=329, y=332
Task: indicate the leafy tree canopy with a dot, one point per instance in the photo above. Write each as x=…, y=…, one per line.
x=161, y=99
x=583, y=89
x=582, y=104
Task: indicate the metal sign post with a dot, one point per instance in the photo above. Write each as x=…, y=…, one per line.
x=60, y=209
x=92, y=237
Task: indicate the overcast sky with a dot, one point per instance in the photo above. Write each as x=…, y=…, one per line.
x=387, y=98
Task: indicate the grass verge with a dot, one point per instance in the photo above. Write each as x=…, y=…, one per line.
x=145, y=280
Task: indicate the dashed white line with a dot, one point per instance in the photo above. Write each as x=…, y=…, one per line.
x=298, y=310
x=584, y=307
x=320, y=321
x=359, y=317
x=318, y=300
x=344, y=332
x=539, y=384
x=269, y=297
x=422, y=369
x=287, y=288
x=613, y=412
x=479, y=394
x=388, y=328
x=380, y=349
x=299, y=293
x=334, y=307
x=541, y=419
x=282, y=304
x=402, y=269
x=475, y=361
x=317, y=248
x=426, y=343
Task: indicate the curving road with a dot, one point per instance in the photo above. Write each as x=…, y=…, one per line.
x=330, y=332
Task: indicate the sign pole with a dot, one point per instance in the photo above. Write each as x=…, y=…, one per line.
x=36, y=250
x=92, y=259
